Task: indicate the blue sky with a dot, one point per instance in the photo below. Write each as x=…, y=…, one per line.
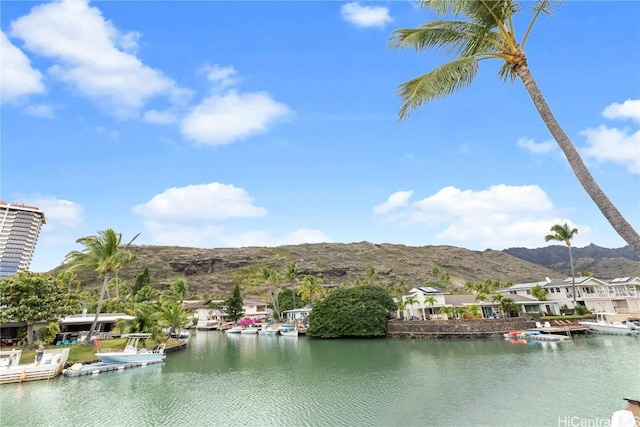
x=228, y=124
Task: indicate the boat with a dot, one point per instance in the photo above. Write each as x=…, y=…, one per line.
x=234, y=330
x=634, y=325
x=288, y=330
x=50, y=366
x=603, y=326
x=250, y=330
x=132, y=353
x=268, y=329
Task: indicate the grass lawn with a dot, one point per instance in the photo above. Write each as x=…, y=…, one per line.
x=87, y=353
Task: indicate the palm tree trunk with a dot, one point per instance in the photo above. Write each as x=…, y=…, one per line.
x=573, y=279
x=100, y=301
x=608, y=209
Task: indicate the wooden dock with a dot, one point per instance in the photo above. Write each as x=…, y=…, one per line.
x=100, y=367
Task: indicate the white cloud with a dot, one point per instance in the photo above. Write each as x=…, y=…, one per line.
x=499, y=217
x=536, y=147
x=396, y=200
x=223, y=119
x=93, y=56
x=160, y=117
x=365, y=16
x=222, y=76
x=59, y=213
x=17, y=77
x=40, y=110
x=213, y=201
x=306, y=235
x=629, y=109
x=619, y=146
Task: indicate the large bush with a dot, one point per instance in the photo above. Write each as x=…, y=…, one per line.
x=360, y=311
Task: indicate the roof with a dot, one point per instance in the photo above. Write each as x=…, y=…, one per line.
x=194, y=305
x=88, y=318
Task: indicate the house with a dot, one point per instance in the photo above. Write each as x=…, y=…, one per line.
x=427, y=299
x=203, y=315
x=618, y=295
x=256, y=310
x=298, y=314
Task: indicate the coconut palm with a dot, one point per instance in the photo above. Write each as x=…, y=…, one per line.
x=431, y=301
x=272, y=278
x=486, y=31
x=410, y=300
x=401, y=306
x=447, y=310
x=310, y=287
x=564, y=233
x=174, y=317
x=104, y=254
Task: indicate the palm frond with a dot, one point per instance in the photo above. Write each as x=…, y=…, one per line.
x=506, y=74
x=541, y=6
x=453, y=37
x=438, y=83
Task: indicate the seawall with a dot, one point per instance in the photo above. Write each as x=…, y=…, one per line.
x=473, y=328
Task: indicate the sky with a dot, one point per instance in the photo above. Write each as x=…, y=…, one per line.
x=216, y=124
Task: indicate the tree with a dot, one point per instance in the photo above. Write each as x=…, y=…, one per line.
x=285, y=299
x=430, y=300
x=447, y=310
x=173, y=316
x=104, y=254
x=310, y=287
x=176, y=293
x=410, y=300
x=234, y=304
x=508, y=305
x=486, y=31
x=359, y=311
x=564, y=233
x=272, y=279
x=142, y=280
x=33, y=297
x=539, y=292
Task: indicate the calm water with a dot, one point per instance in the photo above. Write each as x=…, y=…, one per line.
x=238, y=380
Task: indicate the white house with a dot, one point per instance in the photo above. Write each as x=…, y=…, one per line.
x=618, y=295
x=298, y=314
x=427, y=299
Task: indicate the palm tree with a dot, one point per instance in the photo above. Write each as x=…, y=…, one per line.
x=487, y=32
x=174, y=317
x=290, y=275
x=447, y=310
x=564, y=233
x=401, y=306
x=310, y=287
x=272, y=278
x=410, y=300
x=104, y=254
x=431, y=301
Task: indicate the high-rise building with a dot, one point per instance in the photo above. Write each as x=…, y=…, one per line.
x=19, y=229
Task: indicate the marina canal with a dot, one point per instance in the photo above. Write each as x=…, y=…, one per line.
x=227, y=380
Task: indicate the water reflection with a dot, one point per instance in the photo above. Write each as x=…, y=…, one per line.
x=223, y=380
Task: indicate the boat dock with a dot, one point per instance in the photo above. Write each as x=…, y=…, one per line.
x=100, y=367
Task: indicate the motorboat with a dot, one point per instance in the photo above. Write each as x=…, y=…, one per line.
x=250, y=330
x=132, y=352
x=288, y=330
x=602, y=325
x=268, y=329
x=50, y=365
x=634, y=325
x=234, y=330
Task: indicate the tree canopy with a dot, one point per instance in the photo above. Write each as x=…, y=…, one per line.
x=234, y=304
x=33, y=297
x=360, y=311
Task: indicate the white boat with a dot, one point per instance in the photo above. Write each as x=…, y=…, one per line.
x=132, y=353
x=288, y=331
x=12, y=371
x=268, y=330
x=250, y=330
x=633, y=325
x=234, y=330
x=603, y=326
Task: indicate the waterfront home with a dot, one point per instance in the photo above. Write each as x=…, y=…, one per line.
x=427, y=299
x=203, y=315
x=299, y=315
x=76, y=326
x=256, y=310
x=618, y=295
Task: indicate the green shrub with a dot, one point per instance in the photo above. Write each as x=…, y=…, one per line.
x=48, y=332
x=582, y=310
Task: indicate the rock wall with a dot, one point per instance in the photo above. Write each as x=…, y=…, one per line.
x=476, y=328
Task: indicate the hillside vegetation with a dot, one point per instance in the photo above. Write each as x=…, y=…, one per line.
x=213, y=272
